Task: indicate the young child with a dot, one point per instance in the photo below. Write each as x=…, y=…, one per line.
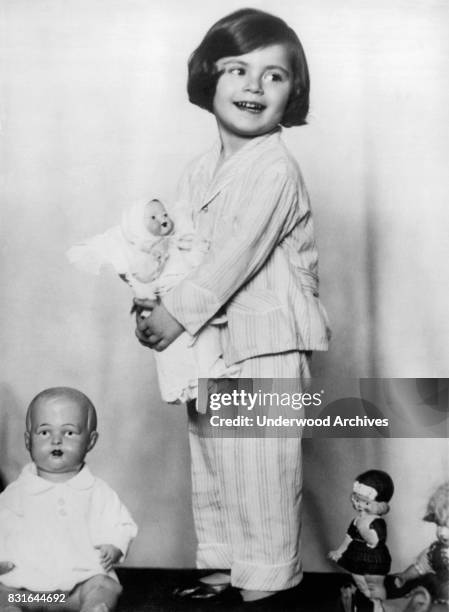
x=61, y=528
x=363, y=551
x=152, y=252
x=247, y=197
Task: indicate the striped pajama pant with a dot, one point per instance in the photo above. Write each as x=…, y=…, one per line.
x=246, y=493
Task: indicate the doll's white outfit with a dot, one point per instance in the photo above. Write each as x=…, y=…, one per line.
x=50, y=530
x=130, y=248
x=261, y=273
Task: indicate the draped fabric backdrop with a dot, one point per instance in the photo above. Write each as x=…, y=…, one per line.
x=94, y=115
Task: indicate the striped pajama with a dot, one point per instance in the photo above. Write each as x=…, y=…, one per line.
x=246, y=493
x=261, y=272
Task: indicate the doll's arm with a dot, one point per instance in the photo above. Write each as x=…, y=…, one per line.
x=112, y=525
x=335, y=555
x=420, y=567
x=409, y=574
x=109, y=555
x=11, y=515
x=369, y=535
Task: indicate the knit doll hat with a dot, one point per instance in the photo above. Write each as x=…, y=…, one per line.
x=375, y=484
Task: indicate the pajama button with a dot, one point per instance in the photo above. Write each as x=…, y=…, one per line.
x=61, y=501
x=62, y=513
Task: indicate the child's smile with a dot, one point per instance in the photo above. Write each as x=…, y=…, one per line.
x=251, y=95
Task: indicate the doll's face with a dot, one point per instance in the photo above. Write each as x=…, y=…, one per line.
x=360, y=503
x=156, y=219
x=443, y=534
x=59, y=437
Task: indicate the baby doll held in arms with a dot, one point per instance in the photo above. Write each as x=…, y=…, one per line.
x=153, y=252
x=363, y=551
x=61, y=528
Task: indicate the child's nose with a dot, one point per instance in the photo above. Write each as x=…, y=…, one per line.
x=56, y=438
x=254, y=83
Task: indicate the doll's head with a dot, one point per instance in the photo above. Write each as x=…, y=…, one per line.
x=60, y=430
x=156, y=219
x=371, y=492
x=239, y=33
x=438, y=512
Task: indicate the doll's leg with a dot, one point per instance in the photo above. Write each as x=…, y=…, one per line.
x=98, y=594
x=376, y=586
x=5, y=605
x=419, y=601
x=362, y=585
x=21, y=596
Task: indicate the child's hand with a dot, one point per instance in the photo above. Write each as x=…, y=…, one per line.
x=6, y=566
x=109, y=555
x=159, y=329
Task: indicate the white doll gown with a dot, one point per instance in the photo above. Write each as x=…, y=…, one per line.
x=189, y=357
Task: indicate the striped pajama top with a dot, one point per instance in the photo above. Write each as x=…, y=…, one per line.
x=262, y=267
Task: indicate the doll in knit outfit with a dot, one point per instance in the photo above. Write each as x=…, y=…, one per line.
x=428, y=576
x=153, y=252
x=363, y=551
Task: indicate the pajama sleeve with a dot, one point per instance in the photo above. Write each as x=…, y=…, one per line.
x=268, y=211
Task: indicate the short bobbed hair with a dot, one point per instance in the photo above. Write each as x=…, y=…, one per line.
x=237, y=34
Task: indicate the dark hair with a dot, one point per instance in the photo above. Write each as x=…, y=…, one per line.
x=379, y=480
x=242, y=32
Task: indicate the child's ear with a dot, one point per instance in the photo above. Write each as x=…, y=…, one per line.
x=93, y=437
x=27, y=441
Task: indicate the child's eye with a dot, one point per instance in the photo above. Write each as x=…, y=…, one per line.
x=43, y=433
x=273, y=76
x=236, y=70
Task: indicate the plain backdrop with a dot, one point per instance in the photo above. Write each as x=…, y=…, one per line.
x=94, y=115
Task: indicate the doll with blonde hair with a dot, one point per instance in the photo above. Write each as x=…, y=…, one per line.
x=431, y=568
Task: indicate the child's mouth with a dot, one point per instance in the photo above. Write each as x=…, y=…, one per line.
x=252, y=107
x=57, y=453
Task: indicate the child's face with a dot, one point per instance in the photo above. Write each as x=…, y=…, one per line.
x=252, y=93
x=156, y=219
x=59, y=438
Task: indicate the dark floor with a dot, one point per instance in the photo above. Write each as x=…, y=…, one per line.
x=150, y=590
